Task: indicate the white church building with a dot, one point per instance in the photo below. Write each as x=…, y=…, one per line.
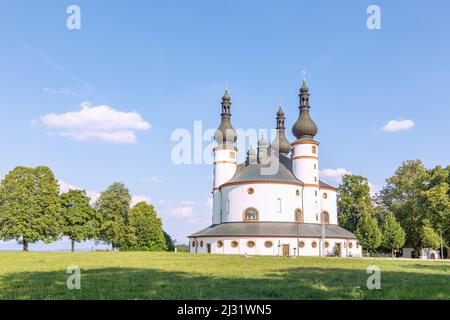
x=274, y=203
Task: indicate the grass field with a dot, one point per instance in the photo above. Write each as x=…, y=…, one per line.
x=139, y=275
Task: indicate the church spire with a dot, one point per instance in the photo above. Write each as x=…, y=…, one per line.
x=225, y=134
x=280, y=143
x=304, y=128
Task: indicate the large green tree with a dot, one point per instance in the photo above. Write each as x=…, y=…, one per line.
x=113, y=205
x=368, y=232
x=81, y=221
x=403, y=196
x=147, y=228
x=393, y=235
x=353, y=201
x=30, y=209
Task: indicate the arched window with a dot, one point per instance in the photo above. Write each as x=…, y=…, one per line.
x=234, y=244
x=314, y=149
x=314, y=244
x=327, y=244
x=298, y=215
x=219, y=244
x=301, y=244
x=251, y=214
x=193, y=243
x=251, y=243
x=325, y=217
x=201, y=243
x=268, y=244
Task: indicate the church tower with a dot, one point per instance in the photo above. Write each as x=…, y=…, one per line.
x=281, y=144
x=225, y=157
x=305, y=156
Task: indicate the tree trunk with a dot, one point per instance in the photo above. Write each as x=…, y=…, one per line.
x=25, y=245
x=72, y=245
x=392, y=252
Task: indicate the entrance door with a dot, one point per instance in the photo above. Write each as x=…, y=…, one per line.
x=208, y=247
x=285, y=250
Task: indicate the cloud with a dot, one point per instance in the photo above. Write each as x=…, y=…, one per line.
x=374, y=189
x=398, y=125
x=182, y=212
x=153, y=179
x=65, y=187
x=333, y=174
x=96, y=123
x=139, y=198
x=61, y=91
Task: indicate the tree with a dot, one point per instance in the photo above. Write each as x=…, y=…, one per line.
x=393, y=235
x=147, y=228
x=81, y=221
x=30, y=210
x=113, y=205
x=353, y=201
x=368, y=233
x=404, y=197
x=170, y=243
x=430, y=238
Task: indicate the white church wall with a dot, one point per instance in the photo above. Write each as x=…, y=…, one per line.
x=349, y=248
x=328, y=204
x=225, y=164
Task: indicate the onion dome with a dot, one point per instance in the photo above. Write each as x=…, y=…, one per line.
x=304, y=128
x=281, y=143
x=251, y=156
x=251, y=151
x=262, y=142
x=225, y=134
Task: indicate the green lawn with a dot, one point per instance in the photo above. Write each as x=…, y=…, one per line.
x=138, y=275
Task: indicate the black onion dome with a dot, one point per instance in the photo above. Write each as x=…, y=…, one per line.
x=225, y=134
x=304, y=128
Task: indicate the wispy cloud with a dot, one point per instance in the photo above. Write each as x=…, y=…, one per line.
x=97, y=123
x=139, y=198
x=334, y=175
x=153, y=179
x=60, y=91
x=398, y=125
x=182, y=212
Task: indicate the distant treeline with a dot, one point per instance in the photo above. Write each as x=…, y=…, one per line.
x=33, y=209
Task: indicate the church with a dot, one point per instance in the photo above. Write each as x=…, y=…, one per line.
x=274, y=203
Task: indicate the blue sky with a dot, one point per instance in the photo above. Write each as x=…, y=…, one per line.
x=168, y=61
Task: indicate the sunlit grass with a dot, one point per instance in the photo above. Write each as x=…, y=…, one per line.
x=139, y=275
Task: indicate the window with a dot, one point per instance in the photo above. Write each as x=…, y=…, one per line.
x=314, y=244
x=250, y=214
x=315, y=192
x=193, y=243
x=315, y=166
x=325, y=217
x=234, y=244
x=201, y=244
x=350, y=245
x=250, y=190
x=228, y=205
x=279, y=204
x=298, y=215
x=251, y=243
x=219, y=244
x=297, y=192
x=325, y=195
x=327, y=244
x=301, y=244
x=232, y=155
x=268, y=244
x=314, y=149
x=315, y=179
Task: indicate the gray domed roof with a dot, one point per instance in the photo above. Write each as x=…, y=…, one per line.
x=225, y=134
x=304, y=128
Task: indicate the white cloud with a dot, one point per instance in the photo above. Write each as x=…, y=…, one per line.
x=333, y=174
x=374, y=189
x=97, y=123
x=188, y=202
x=139, y=198
x=153, y=179
x=61, y=91
x=65, y=187
x=398, y=125
x=182, y=212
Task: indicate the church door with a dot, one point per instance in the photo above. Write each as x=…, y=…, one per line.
x=285, y=250
x=208, y=247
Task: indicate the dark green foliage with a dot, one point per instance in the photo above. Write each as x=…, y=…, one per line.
x=368, y=233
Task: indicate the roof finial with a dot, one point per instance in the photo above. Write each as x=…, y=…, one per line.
x=226, y=85
x=304, y=74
